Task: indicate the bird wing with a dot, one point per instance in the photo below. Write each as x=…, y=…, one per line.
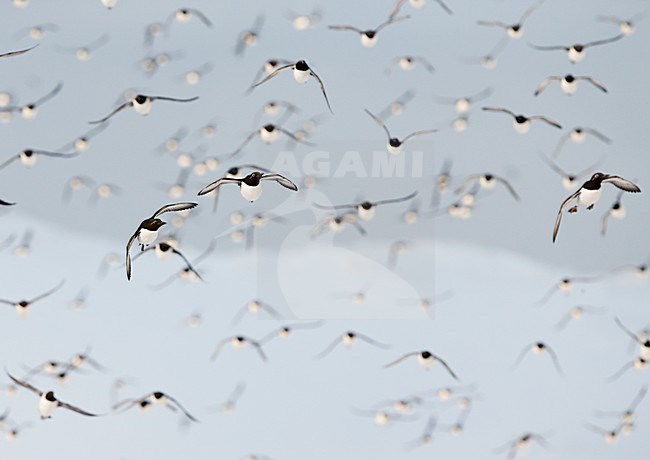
x=419, y=133
x=556, y=362
x=16, y=53
x=128, y=255
x=379, y=122
x=521, y=356
x=638, y=398
x=174, y=207
x=273, y=74
x=499, y=109
x=503, y=25
x=558, y=219
x=620, y=372
x=542, y=86
x=283, y=181
x=118, y=109
x=322, y=88
x=26, y=385
x=352, y=28
x=598, y=135
x=373, y=342
x=174, y=99
x=600, y=86
x=49, y=95
x=622, y=184
x=294, y=137
x=258, y=347
x=56, y=154
x=444, y=7
x=391, y=20
x=446, y=366
x=6, y=203
x=558, y=147
x=76, y=409
x=182, y=409
x=400, y=359
x=329, y=349
x=218, y=348
x=243, y=144
x=396, y=200
x=45, y=294
x=529, y=11
x=202, y=17
x=603, y=222
x=9, y=161
x=396, y=8
x=508, y=186
x=626, y=330
x=546, y=120
x=603, y=41
x=549, y=48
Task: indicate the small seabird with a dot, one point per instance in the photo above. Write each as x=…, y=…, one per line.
x=109, y=4
x=348, y=339
x=643, y=342
x=627, y=416
x=464, y=104
x=426, y=359
x=249, y=37
x=152, y=31
x=47, y=403
x=22, y=306
x=625, y=26
x=366, y=209
x=253, y=308
x=183, y=16
x=81, y=143
x=79, y=359
x=515, y=446
x=16, y=53
x=568, y=84
x=578, y=136
x=442, y=181
x=268, y=133
x=616, y=210
x=157, y=398
x=369, y=37
x=576, y=53
x=194, y=76
x=29, y=111
x=103, y=191
x=521, y=122
x=408, y=62
x=569, y=181
x=268, y=68
x=36, y=32
x=235, y=172
x=13, y=432
x=577, y=313
x=284, y=332
x=24, y=248
x=589, y=194
x=395, y=145
x=29, y=157
x=489, y=60
x=539, y=348
x=396, y=108
x=83, y=53
x=417, y=4
x=237, y=342
x=302, y=22
x=142, y=105
x=147, y=231
x=250, y=186
x=164, y=251
x=151, y=64
x=301, y=74
x=486, y=181
x=565, y=285
x=515, y=30
x=336, y=223
x=610, y=436
x=638, y=364
x=382, y=417
x=228, y=406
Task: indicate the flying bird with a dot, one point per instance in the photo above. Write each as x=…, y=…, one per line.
x=426, y=359
x=578, y=136
x=486, y=181
x=16, y=53
x=540, y=348
x=366, y=209
x=142, y=105
x=522, y=123
x=348, y=339
x=589, y=194
x=515, y=30
x=568, y=84
x=369, y=37
x=250, y=186
x=576, y=52
x=21, y=306
x=418, y=4
x=156, y=398
x=395, y=145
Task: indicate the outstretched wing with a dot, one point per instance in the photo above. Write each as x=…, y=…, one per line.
x=622, y=184
x=499, y=109
x=598, y=85
x=173, y=99
x=446, y=366
x=400, y=359
x=379, y=122
x=352, y=28
x=419, y=133
x=118, y=109
x=128, y=255
x=216, y=184
x=76, y=409
x=272, y=74
x=604, y=41
x=24, y=384
x=397, y=200
x=16, y=53
x=542, y=86
x=174, y=207
x=558, y=219
x=182, y=409
x=322, y=88
x=283, y=181
x=546, y=120
x=508, y=186
x=45, y=294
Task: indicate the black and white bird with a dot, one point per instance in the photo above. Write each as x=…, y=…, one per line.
x=16, y=53
x=616, y=211
x=83, y=53
x=569, y=180
x=267, y=69
x=565, y=285
x=576, y=52
x=183, y=16
x=301, y=74
x=147, y=231
x=464, y=104
x=156, y=398
x=142, y=105
x=336, y=223
x=268, y=133
x=30, y=110
x=418, y=4
x=253, y=308
x=164, y=251
x=523, y=442
x=396, y=108
x=625, y=26
x=589, y=194
x=486, y=181
x=426, y=359
x=366, y=209
x=239, y=342
x=22, y=306
x=286, y=331
x=37, y=31
x=522, y=123
x=249, y=37
x=81, y=143
x=578, y=135
x=516, y=30
x=29, y=157
x=540, y=348
x=568, y=84
x=250, y=186
x=47, y=403
x=407, y=62
x=348, y=339
x=369, y=37
x=395, y=144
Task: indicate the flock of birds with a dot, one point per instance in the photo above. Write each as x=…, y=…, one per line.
x=223, y=170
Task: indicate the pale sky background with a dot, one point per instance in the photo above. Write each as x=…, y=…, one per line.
x=497, y=264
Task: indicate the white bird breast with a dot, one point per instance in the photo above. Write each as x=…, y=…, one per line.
x=444, y=394
x=109, y=3
x=22, y=312
x=626, y=28
x=619, y=213
x=80, y=145
x=335, y=226
x=82, y=54
x=45, y=407
x=142, y=109
x=182, y=16
x=301, y=22
x=396, y=108
x=538, y=350
x=200, y=169
x=425, y=362
x=639, y=365
x=28, y=113
x=163, y=255
x=147, y=236
x=189, y=276
x=367, y=41
x=417, y=3
x=406, y=63
x=5, y=99
x=36, y=33
x=5, y=117
x=488, y=63
x=237, y=344
x=269, y=136
x=576, y=312
x=366, y=214
x=394, y=150
x=522, y=128
x=468, y=199
x=515, y=34
x=271, y=109
x=459, y=124
x=462, y=105
x=211, y=163
x=301, y=76
x=588, y=197
x=253, y=308
x=347, y=340
x=237, y=236
x=578, y=136
x=487, y=184
x=568, y=184
x=28, y=161
x=575, y=55
x=104, y=191
x=410, y=217
x=381, y=418
x=250, y=193
x=184, y=160
x=569, y=87
x=192, y=77
x=175, y=191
